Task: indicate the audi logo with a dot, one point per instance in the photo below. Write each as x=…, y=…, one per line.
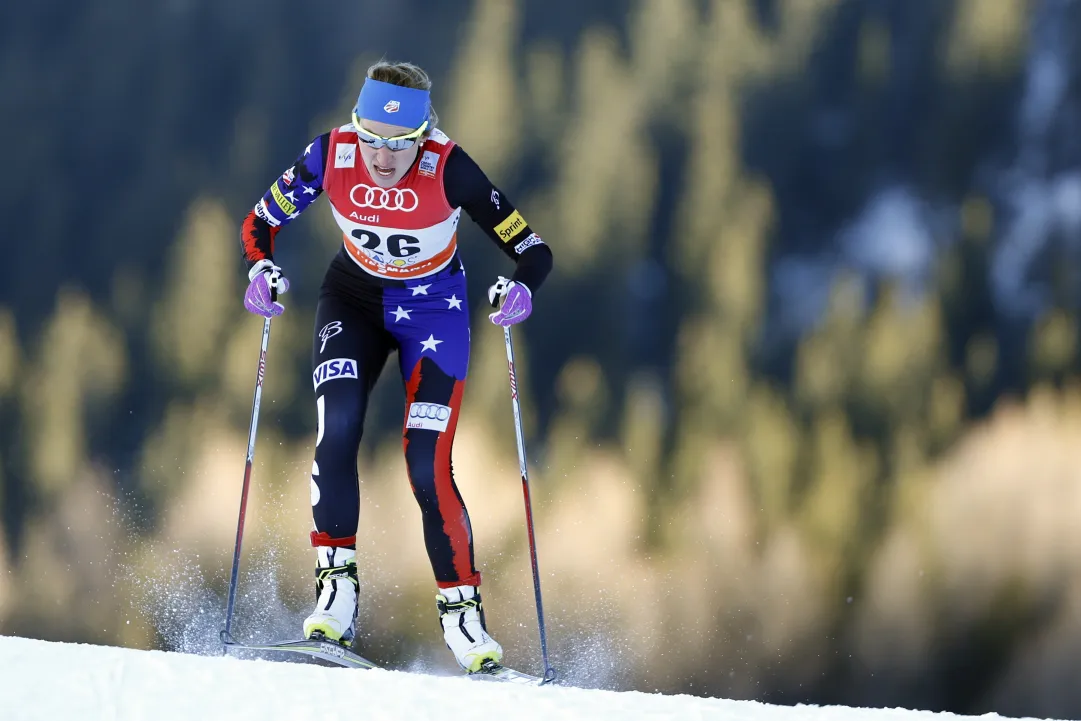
x=403, y=199
x=431, y=411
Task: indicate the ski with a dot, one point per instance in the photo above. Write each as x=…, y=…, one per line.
x=492, y=671
x=326, y=650
x=335, y=653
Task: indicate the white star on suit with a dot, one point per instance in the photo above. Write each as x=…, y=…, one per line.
x=308, y=149
x=429, y=344
x=309, y=190
x=399, y=314
x=292, y=196
x=453, y=302
x=421, y=289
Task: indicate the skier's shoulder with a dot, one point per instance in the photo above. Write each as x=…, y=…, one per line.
x=347, y=129
x=440, y=138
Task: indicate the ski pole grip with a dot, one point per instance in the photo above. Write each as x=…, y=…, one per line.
x=498, y=291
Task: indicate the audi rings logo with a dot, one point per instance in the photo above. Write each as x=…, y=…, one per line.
x=403, y=199
x=428, y=416
x=431, y=411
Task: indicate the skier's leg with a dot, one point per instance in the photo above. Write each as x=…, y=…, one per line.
x=433, y=400
x=348, y=353
x=433, y=358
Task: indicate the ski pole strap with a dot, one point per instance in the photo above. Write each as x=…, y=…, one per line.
x=323, y=539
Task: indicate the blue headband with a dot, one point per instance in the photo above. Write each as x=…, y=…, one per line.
x=392, y=104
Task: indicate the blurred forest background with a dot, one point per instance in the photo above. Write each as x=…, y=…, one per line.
x=802, y=392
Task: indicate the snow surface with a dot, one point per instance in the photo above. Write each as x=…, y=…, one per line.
x=42, y=680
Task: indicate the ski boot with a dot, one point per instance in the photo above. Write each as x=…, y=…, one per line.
x=335, y=615
x=462, y=617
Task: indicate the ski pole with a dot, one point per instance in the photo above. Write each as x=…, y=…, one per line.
x=226, y=635
x=549, y=672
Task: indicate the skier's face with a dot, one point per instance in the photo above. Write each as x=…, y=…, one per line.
x=387, y=166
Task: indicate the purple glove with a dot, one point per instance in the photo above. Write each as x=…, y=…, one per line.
x=265, y=277
x=517, y=302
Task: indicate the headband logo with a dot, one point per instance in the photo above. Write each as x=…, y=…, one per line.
x=392, y=106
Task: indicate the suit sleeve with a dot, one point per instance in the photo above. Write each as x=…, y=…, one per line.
x=287, y=198
x=466, y=186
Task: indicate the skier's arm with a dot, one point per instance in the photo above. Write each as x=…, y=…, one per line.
x=469, y=188
x=287, y=197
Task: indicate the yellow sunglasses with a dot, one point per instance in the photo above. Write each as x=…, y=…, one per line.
x=398, y=142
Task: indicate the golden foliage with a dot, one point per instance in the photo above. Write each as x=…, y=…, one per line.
x=80, y=363
x=987, y=37
x=9, y=353
x=192, y=313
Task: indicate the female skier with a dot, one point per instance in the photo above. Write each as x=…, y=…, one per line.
x=397, y=186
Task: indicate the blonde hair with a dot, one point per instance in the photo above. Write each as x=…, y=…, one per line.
x=406, y=75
